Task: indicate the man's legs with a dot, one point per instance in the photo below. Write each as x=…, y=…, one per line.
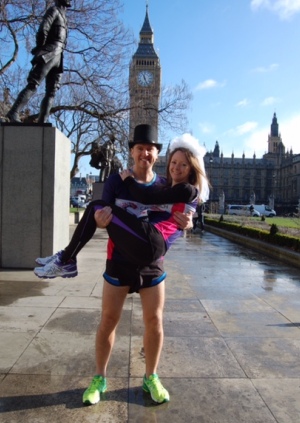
x=112, y=305
x=153, y=300
x=153, y=304
x=113, y=298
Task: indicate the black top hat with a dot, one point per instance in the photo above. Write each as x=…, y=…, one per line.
x=145, y=134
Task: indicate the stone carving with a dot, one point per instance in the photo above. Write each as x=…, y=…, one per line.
x=103, y=158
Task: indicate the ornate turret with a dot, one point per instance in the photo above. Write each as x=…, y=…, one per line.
x=274, y=126
x=216, y=152
x=274, y=139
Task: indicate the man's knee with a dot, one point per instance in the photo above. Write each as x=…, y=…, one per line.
x=153, y=321
x=109, y=322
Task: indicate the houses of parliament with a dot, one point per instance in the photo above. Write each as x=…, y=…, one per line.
x=273, y=179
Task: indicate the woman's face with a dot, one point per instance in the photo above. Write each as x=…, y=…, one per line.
x=179, y=168
x=144, y=155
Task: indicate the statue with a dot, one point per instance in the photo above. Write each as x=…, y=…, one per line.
x=47, y=62
x=102, y=157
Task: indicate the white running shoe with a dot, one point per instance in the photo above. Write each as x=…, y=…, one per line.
x=56, y=269
x=42, y=261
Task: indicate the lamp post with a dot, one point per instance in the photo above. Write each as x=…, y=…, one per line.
x=273, y=195
x=210, y=177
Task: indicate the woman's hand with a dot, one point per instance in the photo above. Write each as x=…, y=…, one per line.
x=125, y=173
x=184, y=221
x=103, y=217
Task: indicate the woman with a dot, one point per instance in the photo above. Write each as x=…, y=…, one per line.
x=143, y=240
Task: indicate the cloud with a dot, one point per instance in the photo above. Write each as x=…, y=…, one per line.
x=269, y=101
x=241, y=129
x=242, y=103
x=245, y=128
x=285, y=9
x=266, y=69
x=208, y=84
x=238, y=131
x=206, y=128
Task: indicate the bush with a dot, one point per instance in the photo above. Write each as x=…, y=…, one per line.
x=274, y=229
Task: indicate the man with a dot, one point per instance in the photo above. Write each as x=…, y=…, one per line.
x=121, y=277
x=47, y=62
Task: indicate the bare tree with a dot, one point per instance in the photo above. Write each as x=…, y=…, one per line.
x=92, y=103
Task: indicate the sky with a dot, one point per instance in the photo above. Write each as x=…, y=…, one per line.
x=239, y=58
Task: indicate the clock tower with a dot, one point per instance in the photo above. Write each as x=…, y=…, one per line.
x=144, y=81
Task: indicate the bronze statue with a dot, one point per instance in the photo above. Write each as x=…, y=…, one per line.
x=47, y=62
x=102, y=157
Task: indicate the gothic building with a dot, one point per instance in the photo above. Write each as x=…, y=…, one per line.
x=144, y=80
x=273, y=179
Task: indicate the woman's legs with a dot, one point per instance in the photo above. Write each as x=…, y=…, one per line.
x=137, y=240
x=82, y=234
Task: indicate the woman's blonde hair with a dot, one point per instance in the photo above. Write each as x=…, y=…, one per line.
x=194, y=154
x=196, y=173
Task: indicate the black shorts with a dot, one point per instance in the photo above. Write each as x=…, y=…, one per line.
x=127, y=274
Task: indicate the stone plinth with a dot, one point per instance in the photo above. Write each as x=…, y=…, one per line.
x=98, y=190
x=34, y=193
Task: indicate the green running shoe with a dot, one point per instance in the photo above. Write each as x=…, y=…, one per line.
x=92, y=394
x=154, y=387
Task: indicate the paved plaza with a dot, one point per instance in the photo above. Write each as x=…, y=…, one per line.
x=231, y=352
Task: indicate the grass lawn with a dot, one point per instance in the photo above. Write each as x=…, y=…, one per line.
x=286, y=225
x=286, y=222
x=75, y=209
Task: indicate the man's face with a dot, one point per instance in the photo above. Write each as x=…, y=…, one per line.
x=144, y=155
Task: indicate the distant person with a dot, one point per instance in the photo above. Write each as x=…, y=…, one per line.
x=199, y=219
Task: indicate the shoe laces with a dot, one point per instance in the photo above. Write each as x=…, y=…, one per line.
x=96, y=382
x=155, y=383
x=51, y=267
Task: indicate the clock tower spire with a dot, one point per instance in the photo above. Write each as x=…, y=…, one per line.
x=144, y=80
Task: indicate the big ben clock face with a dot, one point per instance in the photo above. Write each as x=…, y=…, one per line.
x=145, y=78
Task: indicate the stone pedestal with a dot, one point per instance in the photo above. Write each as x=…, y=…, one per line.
x=98, y=190
x=34, y=193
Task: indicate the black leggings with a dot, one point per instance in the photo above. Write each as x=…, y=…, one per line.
x=137, y=240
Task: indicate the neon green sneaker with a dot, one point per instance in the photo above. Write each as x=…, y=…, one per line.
x=154, y=387
x=92, y=394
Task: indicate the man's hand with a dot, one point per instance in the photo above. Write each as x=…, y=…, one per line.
x=103, y=217
x=184, y=221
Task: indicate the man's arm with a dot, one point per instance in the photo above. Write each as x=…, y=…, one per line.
x=103, y=217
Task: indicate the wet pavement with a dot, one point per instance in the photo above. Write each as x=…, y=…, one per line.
x=231, y=351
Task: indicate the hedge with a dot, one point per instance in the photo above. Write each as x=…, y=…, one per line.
x=272, y=236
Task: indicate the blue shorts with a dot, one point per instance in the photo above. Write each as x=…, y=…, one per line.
x=119, y=273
